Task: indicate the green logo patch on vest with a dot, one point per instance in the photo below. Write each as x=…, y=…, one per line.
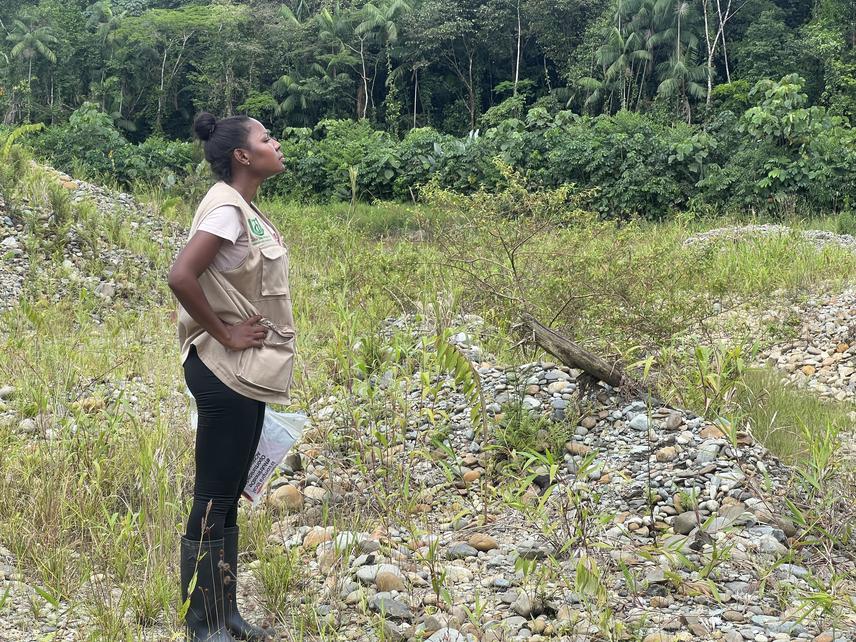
x=256, y=227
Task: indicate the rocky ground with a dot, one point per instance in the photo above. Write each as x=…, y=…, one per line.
x=92, y=261
x=821, y=356
x=819, y=238
x=652, y=518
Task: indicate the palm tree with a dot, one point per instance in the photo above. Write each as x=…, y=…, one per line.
x=300, y=94
x=101, y=18
x=29, y=42
x=302, y=11
x=650, y=27
x=619, y=57
x=381, y=20
x=683, y=77
x=623, y=61
x=681, y=74
x=336, y=29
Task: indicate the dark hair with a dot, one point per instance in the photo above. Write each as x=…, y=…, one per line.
x=220, y=138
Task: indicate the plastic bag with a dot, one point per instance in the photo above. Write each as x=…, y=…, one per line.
x=279, y=432
x=194, y=414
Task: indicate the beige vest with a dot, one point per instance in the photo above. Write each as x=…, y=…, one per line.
x=259, y=285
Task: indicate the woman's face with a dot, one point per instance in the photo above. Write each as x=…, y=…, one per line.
x=264, y=156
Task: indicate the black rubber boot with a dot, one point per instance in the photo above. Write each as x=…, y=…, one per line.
x=206, y=617
x=236, y=625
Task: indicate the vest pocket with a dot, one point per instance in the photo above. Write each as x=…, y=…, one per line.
x=270, y=367
x=274, y=271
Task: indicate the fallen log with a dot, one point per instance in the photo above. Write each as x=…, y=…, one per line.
x=573, y=355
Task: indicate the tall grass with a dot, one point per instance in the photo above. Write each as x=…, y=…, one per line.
x=784, y=418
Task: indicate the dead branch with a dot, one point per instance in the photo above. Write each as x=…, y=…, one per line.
x=572, y=354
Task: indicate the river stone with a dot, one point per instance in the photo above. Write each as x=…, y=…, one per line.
x=28, y=425
x=316, y=536
x=526, y=606
x=105, y=289
x=558, y=386
x=674, y=421
x=287, y=497
x=391, y=608
x=685, y=523
x=576, y=448
x=456, y=574
x=531, y=403
x=707, y=452
x=367, y=574
x=447, y=635
x=471, y=475
x=482, y=542
x=391, y=633
x=294, y=462
x=795, y=570
x=460, y=551
x=666, y=454
x=386, y=581
x=531, y=552
x=659, y=636
x=557, y=375
x=315, y=493
x=347, y=539
x=639, y=422
x=770, y=545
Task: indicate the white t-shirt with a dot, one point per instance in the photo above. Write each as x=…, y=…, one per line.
x=227, y=223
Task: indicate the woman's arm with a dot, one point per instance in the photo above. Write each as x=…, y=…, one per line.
x=183, y=280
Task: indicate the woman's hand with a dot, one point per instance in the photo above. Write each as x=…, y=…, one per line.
x=247, y=334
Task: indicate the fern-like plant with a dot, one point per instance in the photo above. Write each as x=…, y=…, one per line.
x=15, y=134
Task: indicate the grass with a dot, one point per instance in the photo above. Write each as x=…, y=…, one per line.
x=97, y=496
x=780, y=415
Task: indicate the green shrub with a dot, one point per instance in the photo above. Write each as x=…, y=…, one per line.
x=846, y=223
x=91, y=142
x=777, y=156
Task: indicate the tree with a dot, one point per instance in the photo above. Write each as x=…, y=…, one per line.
x=28, y=42
x=717, y=14
x=619, y=58
x=768, y=49
x=681, y=74
x=105, y=23
x=348, y=48
x=158, y=44
x=382, y=22
x=445, y=33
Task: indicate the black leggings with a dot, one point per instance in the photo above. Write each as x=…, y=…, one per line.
x=227, y=436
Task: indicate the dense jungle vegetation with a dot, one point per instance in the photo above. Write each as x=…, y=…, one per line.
x=661, y=105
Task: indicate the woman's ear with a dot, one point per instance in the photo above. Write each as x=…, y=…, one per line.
x=241, y=155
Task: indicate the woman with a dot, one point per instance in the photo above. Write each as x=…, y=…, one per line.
x=236, y=333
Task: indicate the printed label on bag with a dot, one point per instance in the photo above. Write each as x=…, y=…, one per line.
x=279, y=432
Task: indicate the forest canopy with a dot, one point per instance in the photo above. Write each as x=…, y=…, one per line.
x=769, y=82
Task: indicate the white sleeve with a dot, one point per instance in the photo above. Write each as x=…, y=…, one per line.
x=224, y=221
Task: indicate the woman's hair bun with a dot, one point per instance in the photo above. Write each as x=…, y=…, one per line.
x=204, y=125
